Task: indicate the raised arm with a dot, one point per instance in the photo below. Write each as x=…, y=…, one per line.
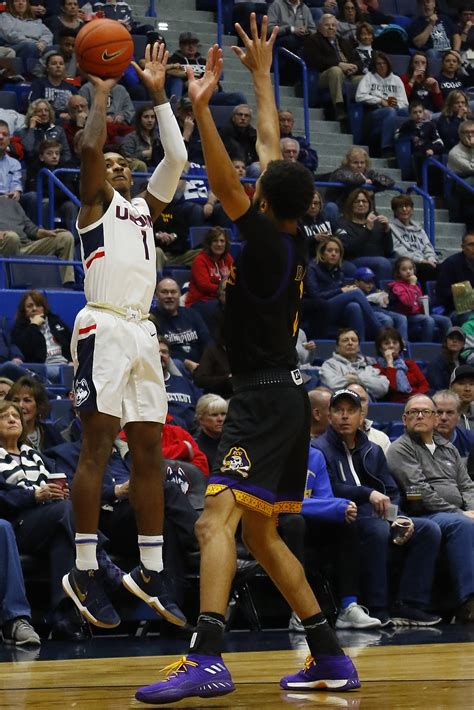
x=95, y=191
x=223, y=178
x=257, y=57
x=164, y=181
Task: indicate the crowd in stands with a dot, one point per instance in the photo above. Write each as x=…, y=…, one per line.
x=371, y=281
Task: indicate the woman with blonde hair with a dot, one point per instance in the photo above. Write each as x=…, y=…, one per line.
x=23, y=32
x=346, y=304
x=40, y=126
x=211, y=410
x=455, y=111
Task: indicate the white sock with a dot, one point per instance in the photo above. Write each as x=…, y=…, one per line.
x=151, y=551
x=86, y=551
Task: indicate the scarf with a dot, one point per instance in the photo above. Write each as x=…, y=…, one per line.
x=400, y=365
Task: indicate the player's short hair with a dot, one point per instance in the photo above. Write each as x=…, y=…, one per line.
x=288, y=188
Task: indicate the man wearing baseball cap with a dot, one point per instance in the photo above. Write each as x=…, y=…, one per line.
x=462, y=382
x=364, y=279
x=358, y=472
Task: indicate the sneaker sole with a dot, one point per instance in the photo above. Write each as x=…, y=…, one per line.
x=131, y=586
x=397, y=621
x=28, y=642
x=348, y=625
x=169, y=696
x=84, y=610
x=324, y=684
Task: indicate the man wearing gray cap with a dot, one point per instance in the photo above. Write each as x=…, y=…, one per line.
x=358, y=472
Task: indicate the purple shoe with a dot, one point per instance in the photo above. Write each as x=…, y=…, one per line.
x=191, y=676
x=327, y=673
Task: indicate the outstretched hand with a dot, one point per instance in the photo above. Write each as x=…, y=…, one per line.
x=200, y=90
x=154, y=74
x=258, y=52
x=104, y=85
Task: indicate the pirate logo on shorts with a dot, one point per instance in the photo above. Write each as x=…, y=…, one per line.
x=237, y=461
x=81, y=392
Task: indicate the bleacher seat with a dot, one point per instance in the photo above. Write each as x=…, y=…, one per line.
x=181, y=276
x=367, y=348
x=388, y=7
x=61, y=413
x=66, y=304
x=324, y=350
x=425, y=351
x=406, y=8
x=385, y=412
x=399, y=63
x=8, y=100
x=221, y=115
x=235, y=249
x=28, y=274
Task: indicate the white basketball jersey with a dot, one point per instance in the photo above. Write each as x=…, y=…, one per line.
x=118, y=254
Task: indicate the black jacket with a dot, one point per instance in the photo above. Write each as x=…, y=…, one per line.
x=320, y=54
x=29, y=338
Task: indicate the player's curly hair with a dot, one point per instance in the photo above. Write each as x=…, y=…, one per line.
x=288, y=188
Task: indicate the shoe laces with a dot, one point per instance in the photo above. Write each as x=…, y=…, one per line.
x=308, y=663
x=21, y=624
x=180, y=666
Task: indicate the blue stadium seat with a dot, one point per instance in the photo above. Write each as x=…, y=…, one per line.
x=425, y=351
x=388, y=7
x=406, y=8
x=236, y=248
x=21, y=90
x=221, y=115
x=385, y=412
x=399, y=63
x=31, y=272
x=181, y=276
x=324, y=350
x=61, y=413
x=404, y=153
x=367, y=348
x=8, y=100
x=66, y=304
x=356, y=113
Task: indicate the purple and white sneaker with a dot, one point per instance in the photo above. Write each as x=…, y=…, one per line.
x=192, y=676
x=327, y=673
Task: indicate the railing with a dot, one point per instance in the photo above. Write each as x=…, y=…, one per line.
x=447, y=172
x=53, y=180
x=304, y=75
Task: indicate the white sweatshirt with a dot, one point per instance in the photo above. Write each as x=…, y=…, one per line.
x=373, y=88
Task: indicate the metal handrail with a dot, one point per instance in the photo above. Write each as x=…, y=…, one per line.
x=444, y=168
x=428, y=202
x=304, y=72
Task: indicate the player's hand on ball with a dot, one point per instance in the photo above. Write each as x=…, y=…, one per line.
x=103, y=85
x=201, y=89
x=154, y=73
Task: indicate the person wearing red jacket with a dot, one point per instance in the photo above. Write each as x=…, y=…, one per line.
x=405, y=377
x=209, y=268
x=177, y=444
x=406, y=298
x=419, y=84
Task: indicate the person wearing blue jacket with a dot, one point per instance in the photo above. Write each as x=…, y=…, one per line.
x=333, y=518
x=346, y=305
x=358, y=472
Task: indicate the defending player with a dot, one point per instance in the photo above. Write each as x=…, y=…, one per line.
x=118, y=378
x=262, y=456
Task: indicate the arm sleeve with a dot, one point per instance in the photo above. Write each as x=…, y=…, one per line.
x=162, y=184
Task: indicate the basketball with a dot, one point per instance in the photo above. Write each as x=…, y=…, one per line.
x=104, y=48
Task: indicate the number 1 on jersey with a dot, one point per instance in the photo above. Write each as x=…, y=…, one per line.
x=145, y=245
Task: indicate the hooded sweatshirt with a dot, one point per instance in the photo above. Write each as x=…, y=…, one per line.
x=411, y=240
x=373, y=88
x=335, y=370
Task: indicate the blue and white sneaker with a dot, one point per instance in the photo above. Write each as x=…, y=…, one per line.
x=86, y=589
x=327, y=673
x=192, y=676
x=152, y=588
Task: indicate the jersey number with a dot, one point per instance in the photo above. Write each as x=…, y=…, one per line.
x=145, y=246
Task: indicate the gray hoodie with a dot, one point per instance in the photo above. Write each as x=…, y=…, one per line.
x=334, y=372
x=441, y=477
x=411, y=240
x=14, y=30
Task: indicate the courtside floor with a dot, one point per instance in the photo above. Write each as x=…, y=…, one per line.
x=400, y=669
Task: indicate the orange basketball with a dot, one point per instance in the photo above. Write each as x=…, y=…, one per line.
x=104, y=48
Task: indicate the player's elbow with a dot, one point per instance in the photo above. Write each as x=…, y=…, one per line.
x=178, y=155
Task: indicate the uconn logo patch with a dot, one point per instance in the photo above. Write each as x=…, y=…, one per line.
x=81, y=392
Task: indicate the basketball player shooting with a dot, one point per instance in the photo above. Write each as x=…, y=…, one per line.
x=261, y=462
x=118, y=378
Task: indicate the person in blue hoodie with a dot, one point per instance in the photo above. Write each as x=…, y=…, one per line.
x=358, y=472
